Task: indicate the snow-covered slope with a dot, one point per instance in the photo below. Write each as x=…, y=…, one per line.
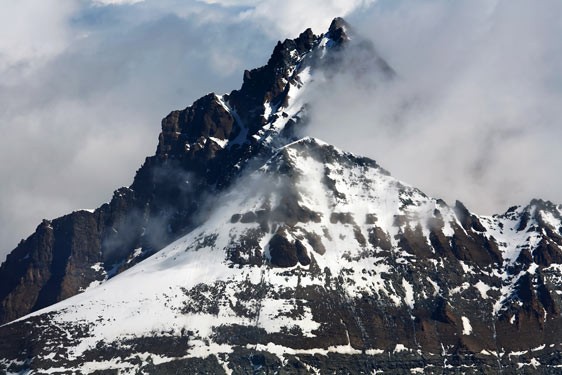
x=305, y=259
x=320, y=252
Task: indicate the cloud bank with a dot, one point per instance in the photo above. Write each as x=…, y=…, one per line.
x=474, y=114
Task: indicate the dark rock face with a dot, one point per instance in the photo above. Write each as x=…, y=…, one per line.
x=284, y=253
x=51, y=265
x=468, y=221
x=267, y=84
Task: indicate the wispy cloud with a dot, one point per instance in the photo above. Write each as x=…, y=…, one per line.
x=32, y=32
x=294, y=16
x=474, y=113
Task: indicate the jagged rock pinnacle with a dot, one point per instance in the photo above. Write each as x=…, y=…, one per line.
x=339, y=30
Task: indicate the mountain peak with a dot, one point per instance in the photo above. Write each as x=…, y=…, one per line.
x=242, y=249
x=338, y=29
x=201, y=150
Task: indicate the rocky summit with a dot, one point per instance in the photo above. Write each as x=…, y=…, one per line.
x=244, y=248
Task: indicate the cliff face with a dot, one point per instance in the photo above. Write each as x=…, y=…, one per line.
x=52, y=264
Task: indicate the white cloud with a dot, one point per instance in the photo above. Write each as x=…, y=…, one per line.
x=116, y=2
x=233, y=3
x=474, y=114
x=32, y=31
x=291, y=17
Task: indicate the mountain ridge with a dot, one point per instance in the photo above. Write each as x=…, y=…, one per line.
x=279, y=275
x=305, y=259
x=159, y=206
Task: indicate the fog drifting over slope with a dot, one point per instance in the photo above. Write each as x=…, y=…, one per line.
x=473, y=115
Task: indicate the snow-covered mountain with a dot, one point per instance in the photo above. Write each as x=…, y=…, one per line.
x=284, y=255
